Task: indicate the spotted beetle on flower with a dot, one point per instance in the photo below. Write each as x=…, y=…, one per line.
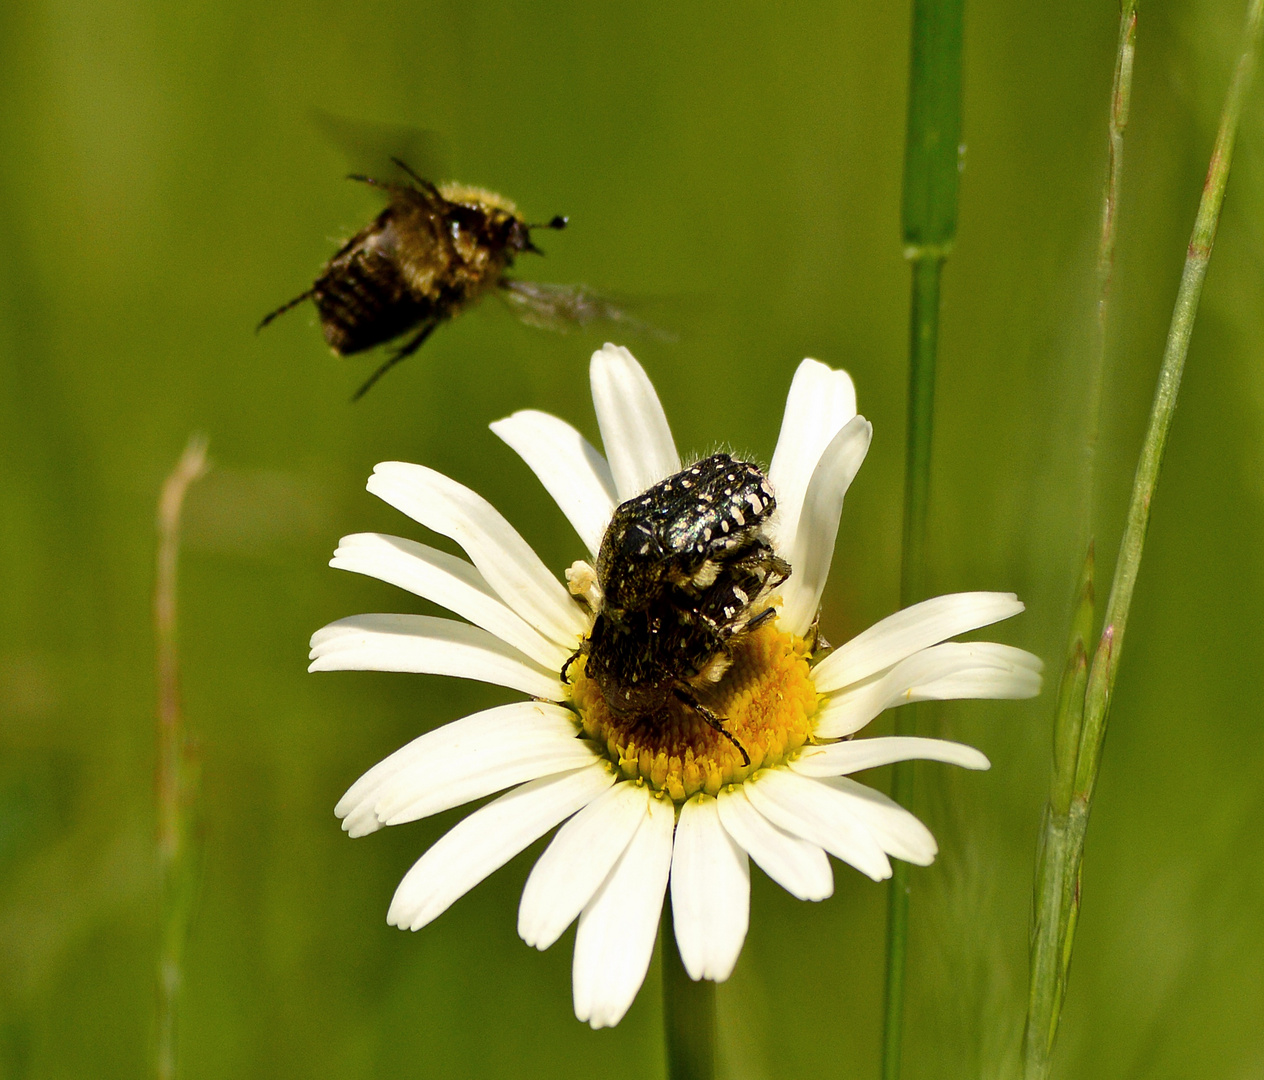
x=680, y=723
x=679, y=570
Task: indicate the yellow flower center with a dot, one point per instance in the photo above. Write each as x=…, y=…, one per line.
x=766, y=700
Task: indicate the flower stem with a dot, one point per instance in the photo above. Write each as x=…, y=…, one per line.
x=1053, y=899
x=174, y=779
x=1062, y=847
x=688, y=1012
x=931, y=173
x=1120, y=102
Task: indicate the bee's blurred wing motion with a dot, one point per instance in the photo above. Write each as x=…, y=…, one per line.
x=374, y=148
x=562, y=308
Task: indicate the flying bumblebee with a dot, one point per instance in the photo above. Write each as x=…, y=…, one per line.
x=433, y=252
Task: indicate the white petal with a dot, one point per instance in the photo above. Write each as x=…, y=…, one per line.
x=820, y=402
x=571, y=470
x=505, y=559
x=579, y=859
x=811, y=549
x=633, y=425
x=838, y=759
x=898, y=831
x=802, y=869
x=975, y=669
x=710, y=890
x=819, y=814
x=448, y=581
x=488, y=839
x=909, y=631
x=444, y=763
x=431, y=787
x=616, y=934
x=426, y=645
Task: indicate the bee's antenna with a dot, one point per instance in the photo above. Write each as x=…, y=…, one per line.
x=556, y=222
x=284, y=308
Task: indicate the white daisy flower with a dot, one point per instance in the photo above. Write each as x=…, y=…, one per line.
x=672, y=802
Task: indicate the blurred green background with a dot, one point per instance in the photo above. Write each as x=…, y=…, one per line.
x=162, y=187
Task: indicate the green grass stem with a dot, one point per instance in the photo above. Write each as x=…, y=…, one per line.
x=174, y=779
x=688, y=1012
x=1052, y=906
x=1120, y=105
x=931, y=176
x=1062, y=847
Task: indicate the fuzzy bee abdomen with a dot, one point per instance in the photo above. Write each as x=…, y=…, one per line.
x=364, y=300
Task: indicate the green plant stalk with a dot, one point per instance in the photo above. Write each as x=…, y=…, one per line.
x=1106, y=661
x=174, y=782
x=929, y=218
x=1064, y=847
x=924, y=329
x=1052, y=900
x=688, y=1011
x=1120, y=106
x=1049, y=901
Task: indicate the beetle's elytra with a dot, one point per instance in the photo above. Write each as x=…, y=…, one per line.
x=682, y=570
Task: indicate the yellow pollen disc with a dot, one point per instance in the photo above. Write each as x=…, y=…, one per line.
x=765, y=698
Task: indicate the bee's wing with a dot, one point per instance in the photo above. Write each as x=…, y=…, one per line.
x=375, y=149
x=562, y=308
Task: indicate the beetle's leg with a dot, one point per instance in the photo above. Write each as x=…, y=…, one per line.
x=775, y=568
x=685, y=696
x=759, y=620
x=570, y=660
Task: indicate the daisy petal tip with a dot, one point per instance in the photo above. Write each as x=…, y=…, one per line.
x=614, y=351
x=405, y=916
x=607, y=1018
x=532, y=933
x=385, y=470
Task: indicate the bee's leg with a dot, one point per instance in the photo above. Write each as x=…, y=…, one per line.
x=286, y=307
x=717, y=722
x=427, y=188
x=402, y=353
x=425, y=185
